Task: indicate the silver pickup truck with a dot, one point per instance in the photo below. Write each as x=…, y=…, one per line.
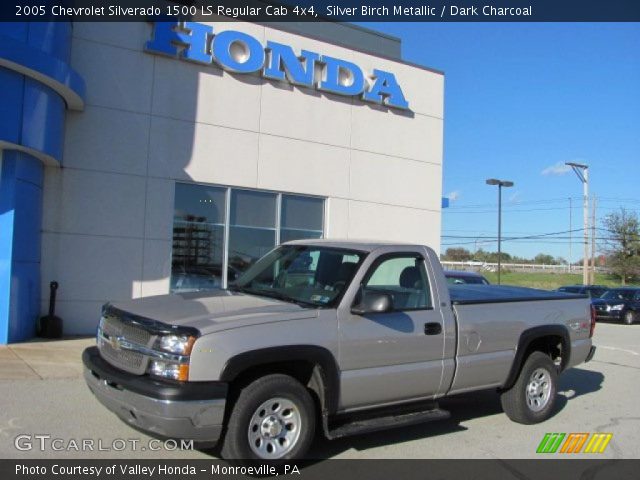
x=342, y=337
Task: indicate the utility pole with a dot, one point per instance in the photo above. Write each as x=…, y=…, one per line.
x=582, y=171
x=593, y=242
x=570, y=231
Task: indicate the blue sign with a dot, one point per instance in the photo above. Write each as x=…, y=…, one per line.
x=239, y=52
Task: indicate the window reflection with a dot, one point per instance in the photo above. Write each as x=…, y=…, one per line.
x=201, y=227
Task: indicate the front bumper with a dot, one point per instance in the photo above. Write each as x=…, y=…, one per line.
x=191, y=410
x=609, y=315
x=604, y=312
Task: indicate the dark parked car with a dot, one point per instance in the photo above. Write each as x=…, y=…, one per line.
x=622, y=304
x=455, y=277
x=594, y=291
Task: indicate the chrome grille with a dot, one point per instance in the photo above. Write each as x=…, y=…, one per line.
x=114, y=326
x=111, y=332
x=125, y=359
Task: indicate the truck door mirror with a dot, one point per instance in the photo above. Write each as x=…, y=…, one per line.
x=373, y=302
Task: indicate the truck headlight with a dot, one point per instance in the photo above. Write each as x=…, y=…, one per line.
x=616, y=308
x=173, y=352
x=176, y=344
x=172, y=370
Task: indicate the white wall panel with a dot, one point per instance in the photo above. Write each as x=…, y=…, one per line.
x=337, y=219
x=303, y=167
x=305, y=114
x=377, y=130
x=79, y=317
x=401, y=224
x=115, y=77
x=159, y=208
x=97, y=203
x=156, y=271
x=91, y=268
x=203, y=153
x=396, y=181
x=108, y=140
x=222, y=98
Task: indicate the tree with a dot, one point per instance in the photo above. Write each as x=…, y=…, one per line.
x=623, y=244
x=457, y=254
x=544, y=259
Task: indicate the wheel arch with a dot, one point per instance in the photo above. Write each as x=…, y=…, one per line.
x=533, y=339
x=312, y=361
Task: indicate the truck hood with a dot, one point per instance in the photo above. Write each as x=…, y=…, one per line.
x=214, y=311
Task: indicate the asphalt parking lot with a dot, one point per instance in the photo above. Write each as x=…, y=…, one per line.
x=50, y=398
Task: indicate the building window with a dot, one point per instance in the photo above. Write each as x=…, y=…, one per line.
x=301, y=217
x=252, y=228
x=219, y=232
x=198, y=238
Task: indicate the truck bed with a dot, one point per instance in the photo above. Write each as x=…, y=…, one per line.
x=473, y=294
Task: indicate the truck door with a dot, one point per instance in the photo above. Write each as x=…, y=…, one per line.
x=398, y=354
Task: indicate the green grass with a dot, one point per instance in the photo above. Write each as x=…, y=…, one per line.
x=547, y=281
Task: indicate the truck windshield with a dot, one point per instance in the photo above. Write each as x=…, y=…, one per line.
x=303, y=274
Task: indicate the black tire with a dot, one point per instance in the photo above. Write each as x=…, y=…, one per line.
x=236, y=442
x=628, y=317
x=519, y=405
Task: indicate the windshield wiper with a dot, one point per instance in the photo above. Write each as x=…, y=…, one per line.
x=278, y=296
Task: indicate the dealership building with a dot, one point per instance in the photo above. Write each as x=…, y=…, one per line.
x=140, y=159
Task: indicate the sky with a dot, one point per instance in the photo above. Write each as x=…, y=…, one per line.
x=521, y=99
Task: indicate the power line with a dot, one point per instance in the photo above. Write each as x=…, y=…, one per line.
x=509, y=210
x=550, y=238
x=547, y=201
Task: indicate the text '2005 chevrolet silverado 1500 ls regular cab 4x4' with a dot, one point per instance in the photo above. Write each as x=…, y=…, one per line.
x=343, y=337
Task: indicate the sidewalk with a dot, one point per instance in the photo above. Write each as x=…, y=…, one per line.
x=43, y=359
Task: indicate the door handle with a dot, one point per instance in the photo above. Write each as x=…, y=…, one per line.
x=432, y=328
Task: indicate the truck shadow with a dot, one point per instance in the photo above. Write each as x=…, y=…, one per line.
x=572, y=383
x=462, y=408
x=575, y=382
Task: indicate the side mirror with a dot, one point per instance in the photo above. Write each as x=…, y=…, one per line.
x=373, y=302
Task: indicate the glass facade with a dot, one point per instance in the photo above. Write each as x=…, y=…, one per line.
x=219, y=232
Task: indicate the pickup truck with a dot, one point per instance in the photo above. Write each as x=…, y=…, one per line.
x=340, y=337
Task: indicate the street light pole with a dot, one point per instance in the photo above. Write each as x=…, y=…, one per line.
x=500, y=184
x=582, y=171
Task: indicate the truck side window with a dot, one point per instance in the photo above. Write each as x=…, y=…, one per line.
x=404, y=278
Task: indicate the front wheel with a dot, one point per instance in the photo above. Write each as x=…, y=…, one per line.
x=628, y=317
x=273, y=419
x=532, y=398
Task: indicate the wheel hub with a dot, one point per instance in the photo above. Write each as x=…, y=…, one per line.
x=538, y=390
x=274, y=428
x=271, y=426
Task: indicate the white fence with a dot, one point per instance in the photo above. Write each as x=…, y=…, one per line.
x=516, y=267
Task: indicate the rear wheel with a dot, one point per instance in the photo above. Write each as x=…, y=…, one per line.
x=273, y=419
x=532, y=398
x=629, y=317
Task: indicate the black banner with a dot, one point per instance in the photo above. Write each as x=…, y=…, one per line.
x=547, y=469
x=317, y=10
